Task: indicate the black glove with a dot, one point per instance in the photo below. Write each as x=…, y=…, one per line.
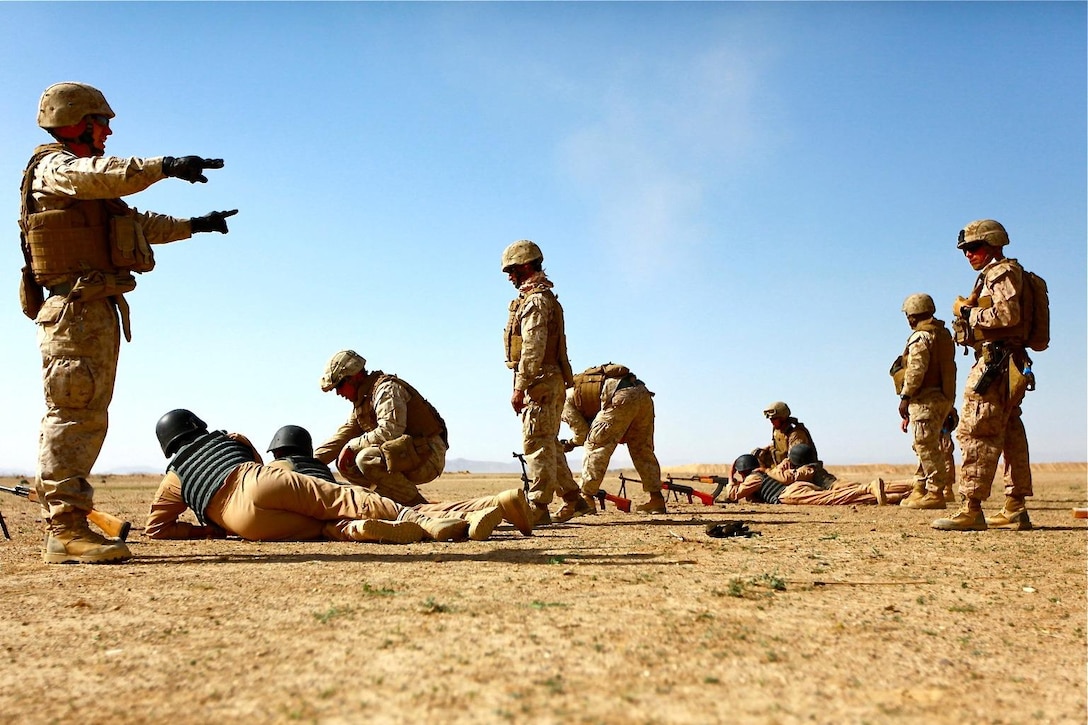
x=215, y=221
x=190, y=168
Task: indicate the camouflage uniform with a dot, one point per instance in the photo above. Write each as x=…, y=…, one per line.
x=381, y=418
x=623, y=412
x=929, y=383
x=990, y=424
x=78, y=331
x=542, y=371
x=792, y=433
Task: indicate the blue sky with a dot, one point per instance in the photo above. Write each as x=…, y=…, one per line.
x=733, y=199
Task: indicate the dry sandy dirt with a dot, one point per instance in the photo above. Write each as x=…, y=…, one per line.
x=830, y=615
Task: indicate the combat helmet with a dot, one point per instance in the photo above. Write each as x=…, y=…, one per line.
x=801, y=454
x=522, y=251
x=343, y=364
x=175, y=428
x=745, y=464
x=65, y=104
x=986, y=231
x=292, y=440
x=919, y=304
x=777, y=409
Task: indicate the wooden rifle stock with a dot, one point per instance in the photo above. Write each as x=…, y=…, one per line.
x=623, y=504
x=110, y=525
x=706, y=499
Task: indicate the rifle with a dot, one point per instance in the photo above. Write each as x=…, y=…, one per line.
x=623, y=504
x=707, y=499
x=524, y=473
x=4, y=526
x=111, y=525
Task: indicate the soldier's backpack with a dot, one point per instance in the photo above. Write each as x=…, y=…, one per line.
x=588, y=384
x=1036, y=310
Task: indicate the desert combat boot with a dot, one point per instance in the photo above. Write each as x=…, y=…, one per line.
x=1013, y=515
x=71, y=541
x=573, y=506
x=655, y=504
x=920, y=498
x=969, y=518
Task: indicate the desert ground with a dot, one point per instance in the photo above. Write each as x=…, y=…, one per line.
x=829, y=615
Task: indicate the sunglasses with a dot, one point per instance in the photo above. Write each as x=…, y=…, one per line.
x=972, y=247
x=100, y=119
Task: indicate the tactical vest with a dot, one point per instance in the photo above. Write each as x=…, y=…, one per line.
x=203, y=465
x=423, y=419
x=589, y=384
x=1015, y=334
x=555, y=350
x=771, y=489
x=780, y=439
x=95, y=235
x=310, y=466
x=941, y=373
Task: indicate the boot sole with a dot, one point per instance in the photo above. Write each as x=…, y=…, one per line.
x=482, y=523
x=389, y=532
x=56, y=558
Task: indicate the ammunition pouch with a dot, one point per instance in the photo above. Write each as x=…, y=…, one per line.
x=128, y=246
x=898, y=372
x=31, y=294
x=961, y=332
x=404, y=453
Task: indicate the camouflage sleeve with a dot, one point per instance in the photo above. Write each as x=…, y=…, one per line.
x=916, y=361
x=1004, y=292
x=534, y=341
x=160, y=228
x=330, y=449
x=96, y=177
x=390, y=410
x=783, y=473
x=573, y=417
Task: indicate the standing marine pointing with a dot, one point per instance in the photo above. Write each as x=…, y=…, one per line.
x=82, y=244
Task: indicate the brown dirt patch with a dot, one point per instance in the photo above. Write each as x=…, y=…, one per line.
x=833, y=614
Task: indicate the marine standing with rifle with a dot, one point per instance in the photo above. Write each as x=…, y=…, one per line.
x=83, y=244
x=996, y=321
x=536, y=350
x=606, y=406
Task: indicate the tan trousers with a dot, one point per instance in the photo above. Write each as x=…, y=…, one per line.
x=267, y=503
x=545, y=461
x=841, y=494
x=990, y=426
x=629, y=419
x=79, y=343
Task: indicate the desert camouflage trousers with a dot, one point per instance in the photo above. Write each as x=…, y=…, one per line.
x=927, y=416
x=990, y=427
x=629, y=419
x=79, y=344
x=268, y=503
x=370, y=470
x=545, y=461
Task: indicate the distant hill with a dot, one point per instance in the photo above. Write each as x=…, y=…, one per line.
x=457, y=465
